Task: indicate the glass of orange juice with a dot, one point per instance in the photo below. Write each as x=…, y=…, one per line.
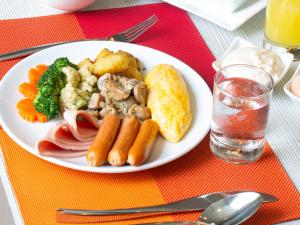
x=282, y=27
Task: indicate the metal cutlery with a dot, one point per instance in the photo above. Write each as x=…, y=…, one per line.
x=125, y=36
x=232, y=210
x=191, y=204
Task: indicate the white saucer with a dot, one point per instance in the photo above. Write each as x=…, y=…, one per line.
x=218, y=15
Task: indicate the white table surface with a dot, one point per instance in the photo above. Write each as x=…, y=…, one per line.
x=283, y=131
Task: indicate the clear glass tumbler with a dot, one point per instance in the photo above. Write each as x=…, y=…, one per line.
x=242, y=95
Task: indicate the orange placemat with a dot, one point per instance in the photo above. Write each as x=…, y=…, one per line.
x=41, y=187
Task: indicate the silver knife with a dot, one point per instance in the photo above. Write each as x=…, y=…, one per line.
x=186, y=205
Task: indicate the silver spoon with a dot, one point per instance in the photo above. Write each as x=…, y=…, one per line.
x=231, y=210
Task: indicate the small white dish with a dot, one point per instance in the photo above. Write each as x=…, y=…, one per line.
x=230, y=14
x=68, y=5
x=239, y=42
x=287, y=86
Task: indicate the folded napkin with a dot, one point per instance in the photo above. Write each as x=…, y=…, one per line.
x=41, y=187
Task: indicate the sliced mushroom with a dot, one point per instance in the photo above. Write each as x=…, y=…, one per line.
x=140, y=92
x=102, y=80
x=123, y=106
x=94, y=101
x=94, y=113
x=140, y=112
x=115, y=91
x=127, y=83
x=108, y=110
x=102, y=105
x=107, y=99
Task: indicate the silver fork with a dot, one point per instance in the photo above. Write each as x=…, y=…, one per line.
x=125, y=36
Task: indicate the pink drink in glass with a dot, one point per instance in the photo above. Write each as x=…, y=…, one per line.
x=240, y=114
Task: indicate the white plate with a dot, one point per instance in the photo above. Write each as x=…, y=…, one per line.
x=26, y=134
x=219, y=16
x=287, y=87
x=239, y=42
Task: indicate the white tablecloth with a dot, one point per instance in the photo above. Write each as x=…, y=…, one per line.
x=283, y=129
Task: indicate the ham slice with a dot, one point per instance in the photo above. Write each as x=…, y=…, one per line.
x=83, y=125
x=70, y=138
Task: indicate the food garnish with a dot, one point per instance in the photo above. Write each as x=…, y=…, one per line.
x=168, y=100
x=28, y=90
x=25, y=106
x=27, y=111
x=49, y=87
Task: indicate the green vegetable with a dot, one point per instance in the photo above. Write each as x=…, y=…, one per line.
x=47, y=105
x=49, y=87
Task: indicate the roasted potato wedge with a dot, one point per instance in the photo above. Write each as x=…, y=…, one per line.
x=111, y=63
x=104, y=52
x=133, y=72
x=86, y=62
x=134, y=62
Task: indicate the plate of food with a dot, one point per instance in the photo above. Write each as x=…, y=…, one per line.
x=105, y=107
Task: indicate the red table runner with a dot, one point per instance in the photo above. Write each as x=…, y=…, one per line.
x=41, y=187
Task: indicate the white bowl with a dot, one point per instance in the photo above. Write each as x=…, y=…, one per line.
x=239, y=42
x=68, y=5
x=287, y=87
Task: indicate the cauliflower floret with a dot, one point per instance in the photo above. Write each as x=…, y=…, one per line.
x=84, y=72
x=87, y=76
x=80, y=85
x=68, y=96
x=72, y=75
x=84, y=94
x=86, y=87
x=91, y=80
x=80, y=102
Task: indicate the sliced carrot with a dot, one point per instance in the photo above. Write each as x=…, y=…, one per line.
x=28, y=90
x=28, y=115
x=28, y=112
x=25, y=103
x=41, y=117
x=34, y=74
x=42, y=67
x=25, y=106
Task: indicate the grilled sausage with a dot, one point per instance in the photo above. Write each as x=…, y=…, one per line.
x=128, y=132
x=97, y=153
x=143, y=143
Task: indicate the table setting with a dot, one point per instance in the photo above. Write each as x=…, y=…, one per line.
x=149, y=112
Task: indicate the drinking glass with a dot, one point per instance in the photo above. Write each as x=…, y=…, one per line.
x=242, y=95
x=282, y=26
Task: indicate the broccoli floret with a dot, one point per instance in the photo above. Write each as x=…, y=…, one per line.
x=47, y=105
x=63, y=62
x=49, y=87
x=52, y=86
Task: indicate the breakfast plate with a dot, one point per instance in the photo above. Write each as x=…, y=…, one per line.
x=27, y=134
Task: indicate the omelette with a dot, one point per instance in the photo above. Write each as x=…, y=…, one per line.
x=169, y=102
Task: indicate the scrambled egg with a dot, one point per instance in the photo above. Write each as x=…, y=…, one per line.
x=168, y=101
